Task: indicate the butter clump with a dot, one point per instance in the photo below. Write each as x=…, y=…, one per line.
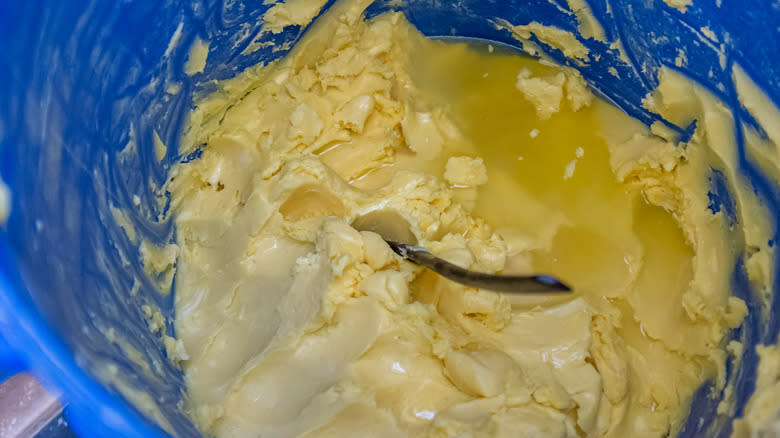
x=546, y=93
x=466, y=172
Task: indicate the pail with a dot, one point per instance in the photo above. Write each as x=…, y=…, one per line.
x=81, y=80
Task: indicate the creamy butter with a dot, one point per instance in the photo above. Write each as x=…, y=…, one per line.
x=293, y=323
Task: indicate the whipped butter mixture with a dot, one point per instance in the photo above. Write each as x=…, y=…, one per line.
x=295, y=323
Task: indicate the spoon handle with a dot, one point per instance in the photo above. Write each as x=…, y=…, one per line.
x=499, y=283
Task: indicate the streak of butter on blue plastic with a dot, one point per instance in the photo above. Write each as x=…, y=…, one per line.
x=81, y=80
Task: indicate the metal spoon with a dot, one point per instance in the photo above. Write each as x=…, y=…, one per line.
x=392, y=227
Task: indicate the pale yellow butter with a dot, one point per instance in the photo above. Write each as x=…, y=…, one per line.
x=290, y=322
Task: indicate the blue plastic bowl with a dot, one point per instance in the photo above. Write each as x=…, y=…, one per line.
x=81, y=79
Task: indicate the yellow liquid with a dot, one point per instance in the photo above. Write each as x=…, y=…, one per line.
x=612, y=245
x=609, y=244
x=605, y=224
